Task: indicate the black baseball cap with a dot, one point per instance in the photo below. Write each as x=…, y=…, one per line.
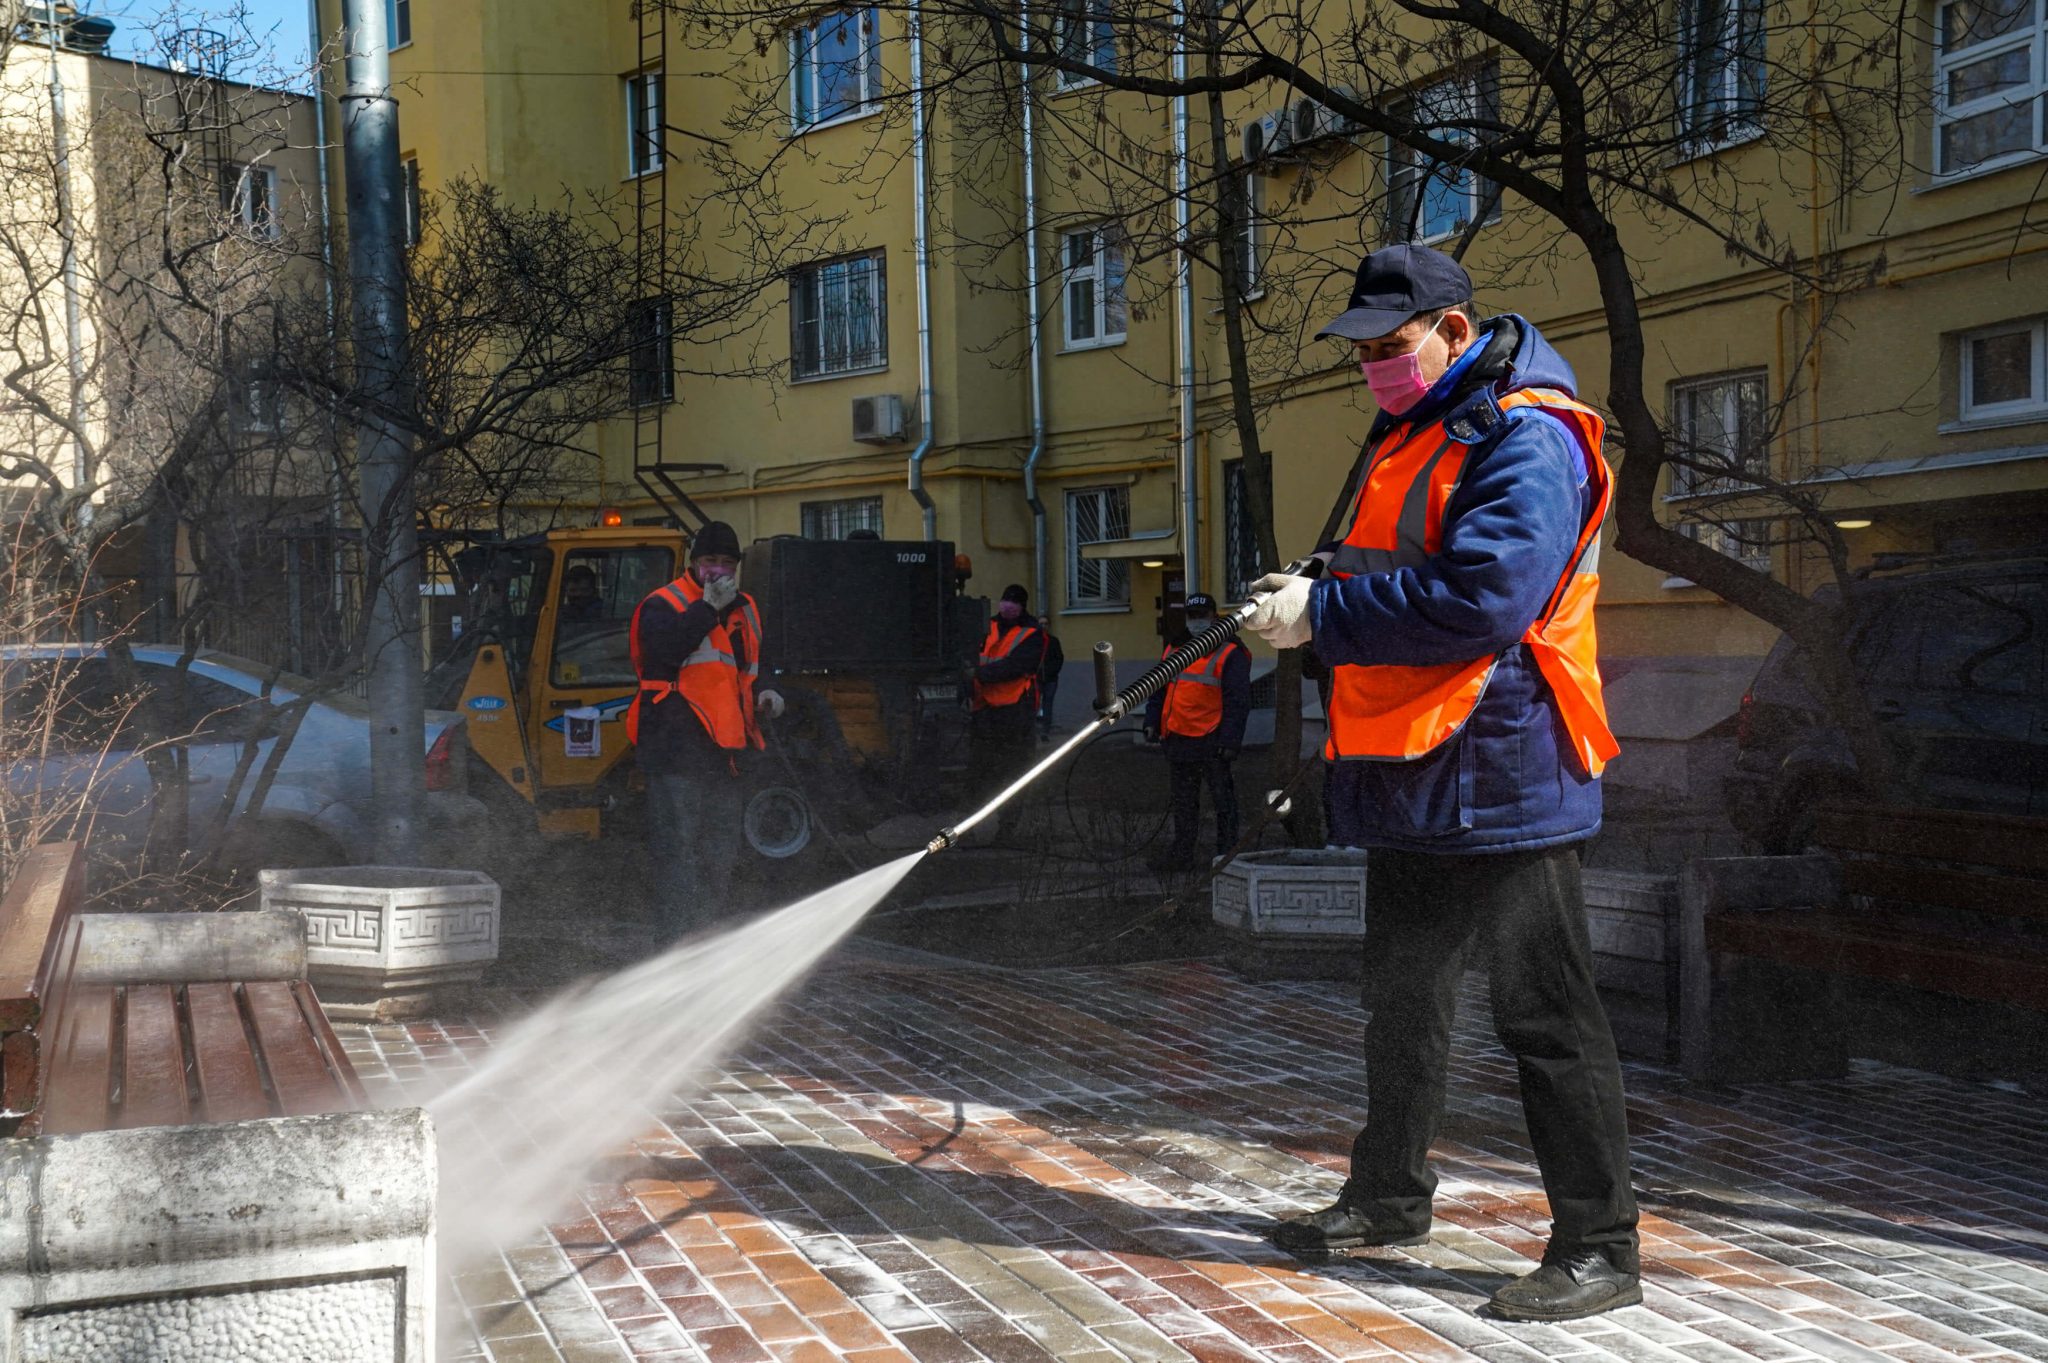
x=1201, y=601
x=1394, y=284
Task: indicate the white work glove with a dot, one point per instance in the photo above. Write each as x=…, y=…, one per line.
x=1282, y=618
x=768, y=704
x=722, y=592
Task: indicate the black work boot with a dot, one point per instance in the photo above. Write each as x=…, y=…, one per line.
x=1567, y=1286
x=1341, y=1226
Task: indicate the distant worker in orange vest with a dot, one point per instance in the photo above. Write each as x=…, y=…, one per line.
x=696, y=645
x=1466, y=741
x=1000, y=731
x=1197, y=719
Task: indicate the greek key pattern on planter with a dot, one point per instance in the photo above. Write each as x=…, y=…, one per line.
x=444, y=925
x=343, y=929
x=1330, y=905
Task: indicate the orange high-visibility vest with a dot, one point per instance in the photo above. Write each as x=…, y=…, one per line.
x=1394, y=714
x=712, y=680
x=999, y=644
x=1193, y=707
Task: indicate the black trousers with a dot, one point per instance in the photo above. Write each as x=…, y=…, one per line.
x=1526, y=911
x=1184, y=790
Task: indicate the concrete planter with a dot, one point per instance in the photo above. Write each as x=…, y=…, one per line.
x=1633, y=921
x=296, y=1237
x=381, y=940
x=1297, y=914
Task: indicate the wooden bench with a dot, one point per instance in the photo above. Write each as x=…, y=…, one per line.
x=159, y=1019
x=1945, y=901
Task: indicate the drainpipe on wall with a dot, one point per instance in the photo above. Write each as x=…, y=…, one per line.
x=1184, y=303
x=67, y=233
x=921, y=230
x=1039, y=591
x=320, y=138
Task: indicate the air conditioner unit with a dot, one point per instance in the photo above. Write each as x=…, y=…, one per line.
x=878, y=420
x=1260, y=135
x=1312, y=119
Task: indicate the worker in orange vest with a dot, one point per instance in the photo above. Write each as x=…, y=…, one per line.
x=696, y=646
x=1466, y=740
x=1000, y=734
x=1197, y=719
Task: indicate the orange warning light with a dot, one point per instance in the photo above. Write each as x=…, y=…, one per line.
x=610, y=517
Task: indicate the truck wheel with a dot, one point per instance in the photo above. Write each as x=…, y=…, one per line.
x=777, y=822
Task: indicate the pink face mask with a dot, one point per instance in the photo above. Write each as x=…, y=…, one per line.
x=1009, y=610
x=707, y=573
x=1397, y=384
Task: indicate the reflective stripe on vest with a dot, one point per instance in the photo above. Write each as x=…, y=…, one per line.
x=1392, y=713
x=712, y=680
x=1194, y=699
x=998, y=646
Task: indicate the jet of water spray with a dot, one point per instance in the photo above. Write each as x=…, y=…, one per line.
x=583, y=1074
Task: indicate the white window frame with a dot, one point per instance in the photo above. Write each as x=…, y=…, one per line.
x=1096, y=45
x=1734, y=104
x=1749, y=546
x=2029, y=35
x=398, y=23
x=1476, y=96
x=1113, y=520
x=242, y=203
x=2035, y=404
x=410, y=220
x=646, y=95
x=1251, y=260
x=1109, y=299
x=803, y=72
x=835, y=520
x=808, y=363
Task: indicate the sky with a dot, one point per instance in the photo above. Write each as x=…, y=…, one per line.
x=276, y=25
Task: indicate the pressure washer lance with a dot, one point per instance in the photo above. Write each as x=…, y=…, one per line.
x=1123, y=702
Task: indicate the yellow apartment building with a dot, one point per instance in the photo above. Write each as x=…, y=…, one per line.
x=1917, y=408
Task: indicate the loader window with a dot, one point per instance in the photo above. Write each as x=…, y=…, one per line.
x=594, y=607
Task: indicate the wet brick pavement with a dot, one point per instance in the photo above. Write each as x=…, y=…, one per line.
x=932, y=1161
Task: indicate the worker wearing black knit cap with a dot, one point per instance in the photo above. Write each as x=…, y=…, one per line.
x=697, y=648
x=1005, y=693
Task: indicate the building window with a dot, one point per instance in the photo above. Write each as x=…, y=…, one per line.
x=1428, y=200
x=651, y=352
x=1720, y=72
x=1249, y=257
x=398, y=22
x=1991, y=83
x=644, y=116
x=1093, y=515
x=2005, y=372
x=1096, y=307
x=259, y=400
x=409, y=194
x=838, y=520
x=1241, y=565
x=1719, y=448
x=839, y=317
x=252, y=199
x=835, y=71
x=1082, y=32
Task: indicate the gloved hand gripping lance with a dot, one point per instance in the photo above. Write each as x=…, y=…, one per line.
x=1123, y=702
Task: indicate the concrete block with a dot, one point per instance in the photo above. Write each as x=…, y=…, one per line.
x=299, y=1237
x=382, y=940
x=189, y=948
x=1297, y=914
x=1632, y=919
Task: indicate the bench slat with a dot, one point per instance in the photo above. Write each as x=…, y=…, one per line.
x=41, y=896
x=338, y=1064
x=152, y=1059
x=77, y=1086
x=2015, y=842
x=1842, y=944
x=299, y=1074
x=19, y=1077
x=1891, y=881
x=230, y=1084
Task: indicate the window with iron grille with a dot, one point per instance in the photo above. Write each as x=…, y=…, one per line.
x=1096, y=308
x=1093, y=515
x=1720, y=72
x=1428, y=199
x=645, y=113
x=1241, y=564
x=1719, y=446
x=1990, y=83
x=1082, y=33
x=837, y=520
x=834, y=69
x=838, y=317
x=409, y=194
x=651, y=350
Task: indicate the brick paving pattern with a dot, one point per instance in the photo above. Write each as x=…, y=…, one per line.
x=927, y=1160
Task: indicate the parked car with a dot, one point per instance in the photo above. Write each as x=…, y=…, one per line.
x=1952, y=658
x=319, y=809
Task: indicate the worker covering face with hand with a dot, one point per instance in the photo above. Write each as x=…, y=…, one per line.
x=1466, y=740
x=1197, y=719
x=697, y=648
x=1000, y=730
